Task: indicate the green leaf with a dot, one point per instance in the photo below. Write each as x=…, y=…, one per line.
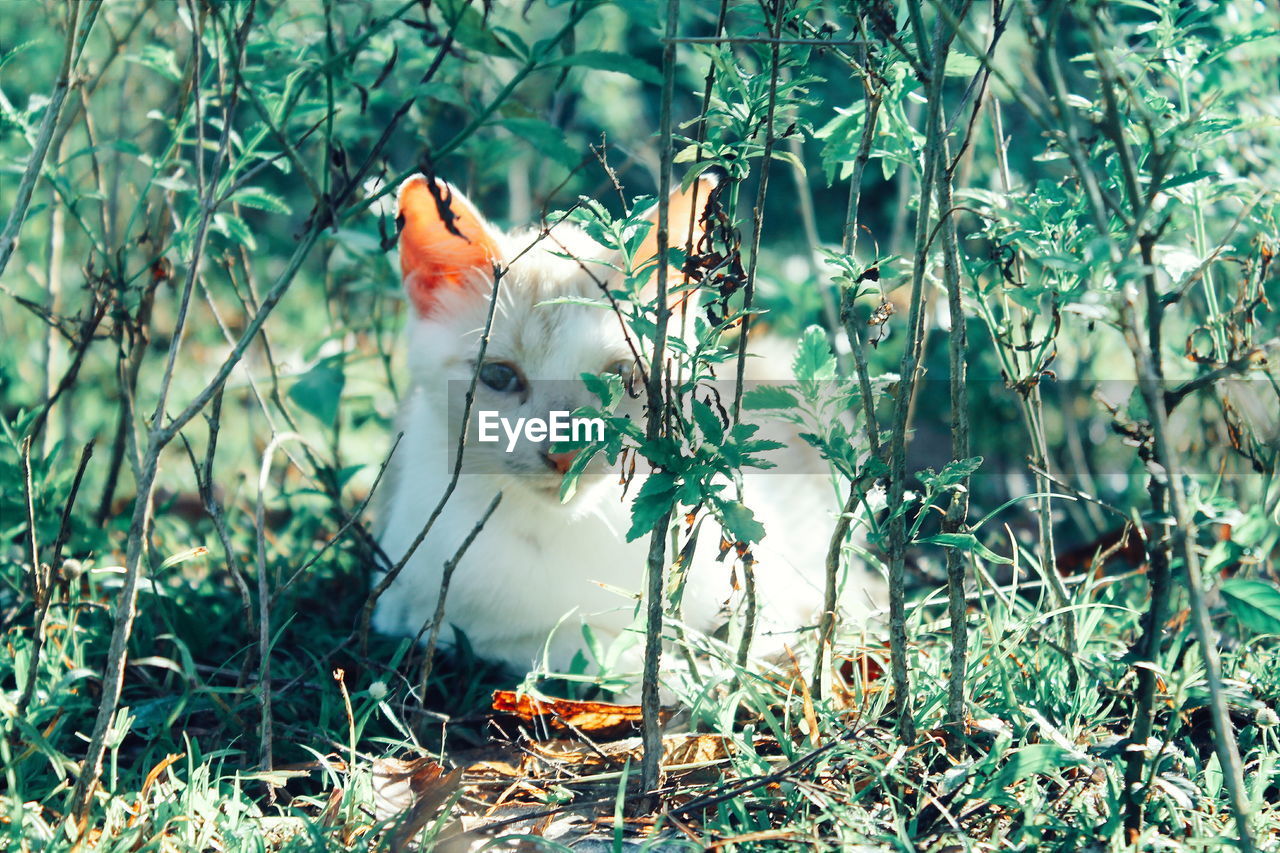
x=1188, y=178
x=261, y=199
x=875, y=467
x=619, y=63
x=653, y=501
x=344, y=474
x=319, y=389
x=1221, y=555
x=954, y=472
x=1037, y=759
x=546, y=139
x=813, y=360
x=708, y=422
x=966, y=542
x=765, y=397
x=175, y=184
x=607, y=387
x=1212, y=776
x=234, y=229
x=1255, y=603
x=160, y=60
x=513, y=41
x=962, y=65
x=1255, y=530
x=569, y=483
x=184, y=556
x=739, y=522
x=17, y=49
x=469, y=28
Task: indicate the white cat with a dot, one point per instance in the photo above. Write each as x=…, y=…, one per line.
x=540, y=568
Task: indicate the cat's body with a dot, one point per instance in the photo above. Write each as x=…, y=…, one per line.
x=538, y=563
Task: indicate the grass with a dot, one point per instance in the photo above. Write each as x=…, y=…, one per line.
x=1037, y=766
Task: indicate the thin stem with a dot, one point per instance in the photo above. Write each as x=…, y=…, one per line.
x=77, y=32
x=871, y=427
x=366, y=613
x=140, y=522
x=264, y=601
x=1159, y=557
x=204, y=487
x=40, y=581
x=955, y=520
x=42, y=571
x=437, y=620
x=1184, y=538
x=651, y=734
x=748, y=573
x=809, y=220
x=933, y=159
x=771, y=40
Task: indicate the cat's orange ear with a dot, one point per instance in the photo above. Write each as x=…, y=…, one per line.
x=685, y=209
x=444, y=241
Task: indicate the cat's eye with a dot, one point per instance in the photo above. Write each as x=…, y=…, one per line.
x=623, y=367
x=502, y=377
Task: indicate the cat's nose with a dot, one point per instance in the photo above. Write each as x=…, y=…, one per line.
x=559, y=461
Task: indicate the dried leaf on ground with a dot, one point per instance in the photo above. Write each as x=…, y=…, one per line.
x=415, y=790
x=598, y=720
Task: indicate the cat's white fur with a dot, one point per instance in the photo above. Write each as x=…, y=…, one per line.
x=540, y=568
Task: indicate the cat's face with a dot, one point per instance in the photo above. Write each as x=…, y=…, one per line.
x=538, y=347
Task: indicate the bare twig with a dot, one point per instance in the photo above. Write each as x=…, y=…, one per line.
x=204, y=487
x=78, y=29
x=351, y=521
x=1237, y=365
x=264, y=599
x=827, y=627
x=84, y=339
x=366, y=613
x=64, y=526
x=437, y=620
x=41, y=576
